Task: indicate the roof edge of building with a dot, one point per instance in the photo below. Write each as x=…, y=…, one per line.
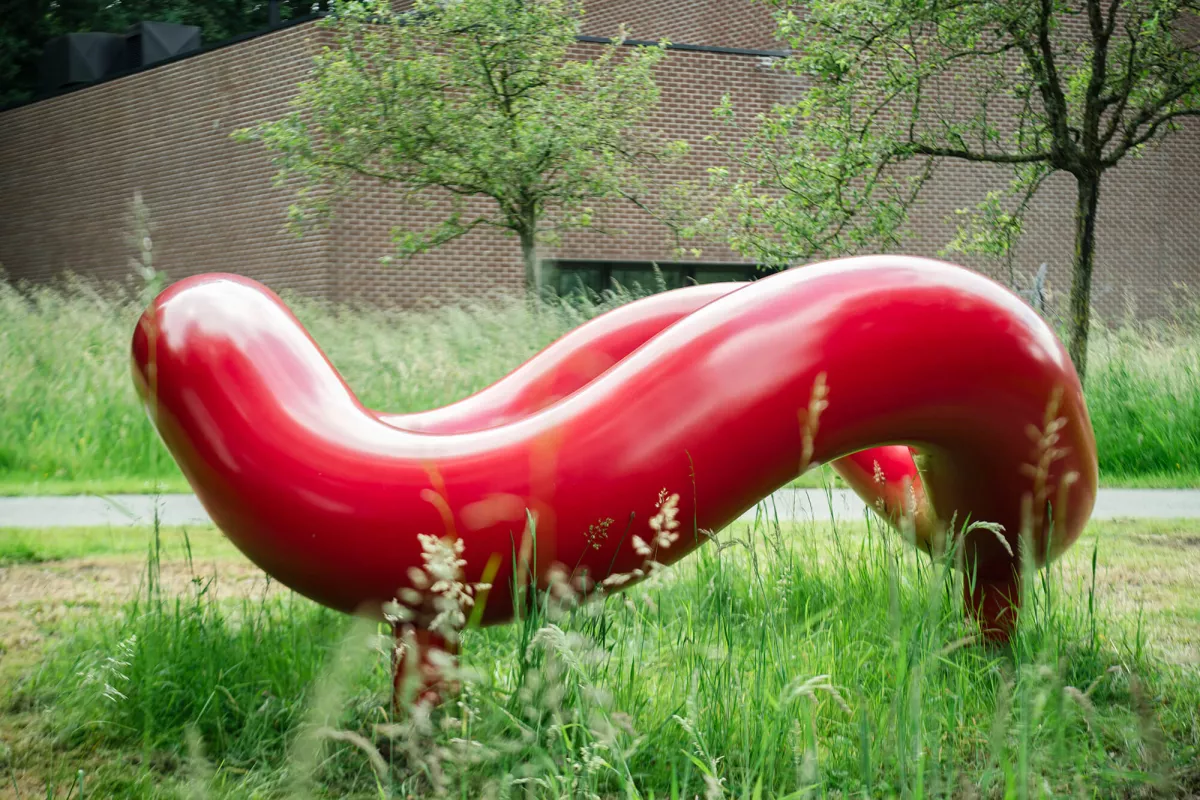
x=125, y=73
x=692, y=48
x=291, y=23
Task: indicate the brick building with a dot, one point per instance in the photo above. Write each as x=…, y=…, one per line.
x=69, y=165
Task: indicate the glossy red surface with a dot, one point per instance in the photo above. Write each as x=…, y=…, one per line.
x=886, y=477
x=330, y=498
x=566, y=365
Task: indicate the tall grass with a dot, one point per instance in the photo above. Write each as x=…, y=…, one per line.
x=1143, y=393
x=68, y=410
x=782, y=661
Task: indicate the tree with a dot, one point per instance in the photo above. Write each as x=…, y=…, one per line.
x=895, y=87
x=26, y=26
x=477, y=103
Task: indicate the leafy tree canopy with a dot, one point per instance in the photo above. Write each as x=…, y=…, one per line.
x=478, y=104
x=895, y=87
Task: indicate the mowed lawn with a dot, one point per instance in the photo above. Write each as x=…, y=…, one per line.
x=793, y=660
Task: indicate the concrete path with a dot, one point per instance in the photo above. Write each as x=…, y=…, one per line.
x=788, y=504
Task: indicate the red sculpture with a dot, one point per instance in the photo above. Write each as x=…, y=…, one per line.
x=628, y=438
x=886, y=477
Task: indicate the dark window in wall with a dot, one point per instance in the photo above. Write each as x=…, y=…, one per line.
x=596, y=276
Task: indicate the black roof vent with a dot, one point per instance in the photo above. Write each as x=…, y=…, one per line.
x=77, y=58
x=151, y=42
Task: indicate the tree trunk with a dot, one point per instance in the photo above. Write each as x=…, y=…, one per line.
x=533, y=275
x=1087, y=197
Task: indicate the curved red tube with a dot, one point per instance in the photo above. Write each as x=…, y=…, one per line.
x=698, y=424
x=885, y=477
x=566, y=365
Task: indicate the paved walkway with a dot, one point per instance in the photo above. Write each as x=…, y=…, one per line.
x=788, y=504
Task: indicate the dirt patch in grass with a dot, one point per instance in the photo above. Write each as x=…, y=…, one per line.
x=104, y=582
x=1151, y=569
x=38, y=604
x=21, y=785
x=1166, y=540
x=36, y=599
x=1148, y=567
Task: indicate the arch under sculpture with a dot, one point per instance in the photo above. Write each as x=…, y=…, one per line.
x=627, y=437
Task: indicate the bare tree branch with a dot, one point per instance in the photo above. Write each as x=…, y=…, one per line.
x=1149, y=133
x=986, y=158
x=1147, y=116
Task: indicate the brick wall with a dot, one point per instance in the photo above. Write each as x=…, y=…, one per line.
x=691, y=84
x=69, y=165
x=720, y=23
x=1148, y=236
